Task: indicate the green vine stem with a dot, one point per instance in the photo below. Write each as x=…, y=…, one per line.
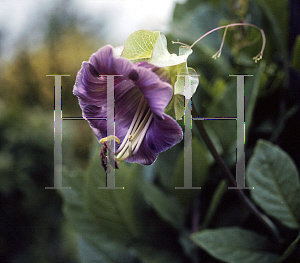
x=244, y=198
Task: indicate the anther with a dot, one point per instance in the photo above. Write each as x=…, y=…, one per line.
x=130, y=139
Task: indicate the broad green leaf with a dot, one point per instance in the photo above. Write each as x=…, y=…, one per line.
x=235, y=244
x=289, y=250
x=116, y=212
x=166, y=205
x=139, y=45
x=274, y=177
x=78, y=216
x=108, y=253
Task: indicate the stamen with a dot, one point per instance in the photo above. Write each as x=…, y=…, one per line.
x=137, y=138
x=143, y=133
x=131, y=131
x=140, y=129
x=137, y=123
x=131, y=125
x=136, y=132
x=130, y=144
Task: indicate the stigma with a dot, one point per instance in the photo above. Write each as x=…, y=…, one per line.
x=109, y=138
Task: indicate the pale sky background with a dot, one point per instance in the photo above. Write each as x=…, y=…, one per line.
x=125, y=17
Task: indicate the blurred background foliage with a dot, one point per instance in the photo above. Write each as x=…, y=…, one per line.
x=148, y=221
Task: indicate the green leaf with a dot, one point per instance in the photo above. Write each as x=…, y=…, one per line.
x=139, y=45
x=289, y=250
x=166, y=205
x=108, y=252
x=152, y=46
x=74, y=205
x=116, y=212
x=76, y=213
x=236, y=245
x=274, y=177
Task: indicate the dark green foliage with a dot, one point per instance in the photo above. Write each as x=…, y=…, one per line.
x=148, y=220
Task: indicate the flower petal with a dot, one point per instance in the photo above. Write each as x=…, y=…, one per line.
x=131, y=83
x=157, y=93
x=162, y=134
